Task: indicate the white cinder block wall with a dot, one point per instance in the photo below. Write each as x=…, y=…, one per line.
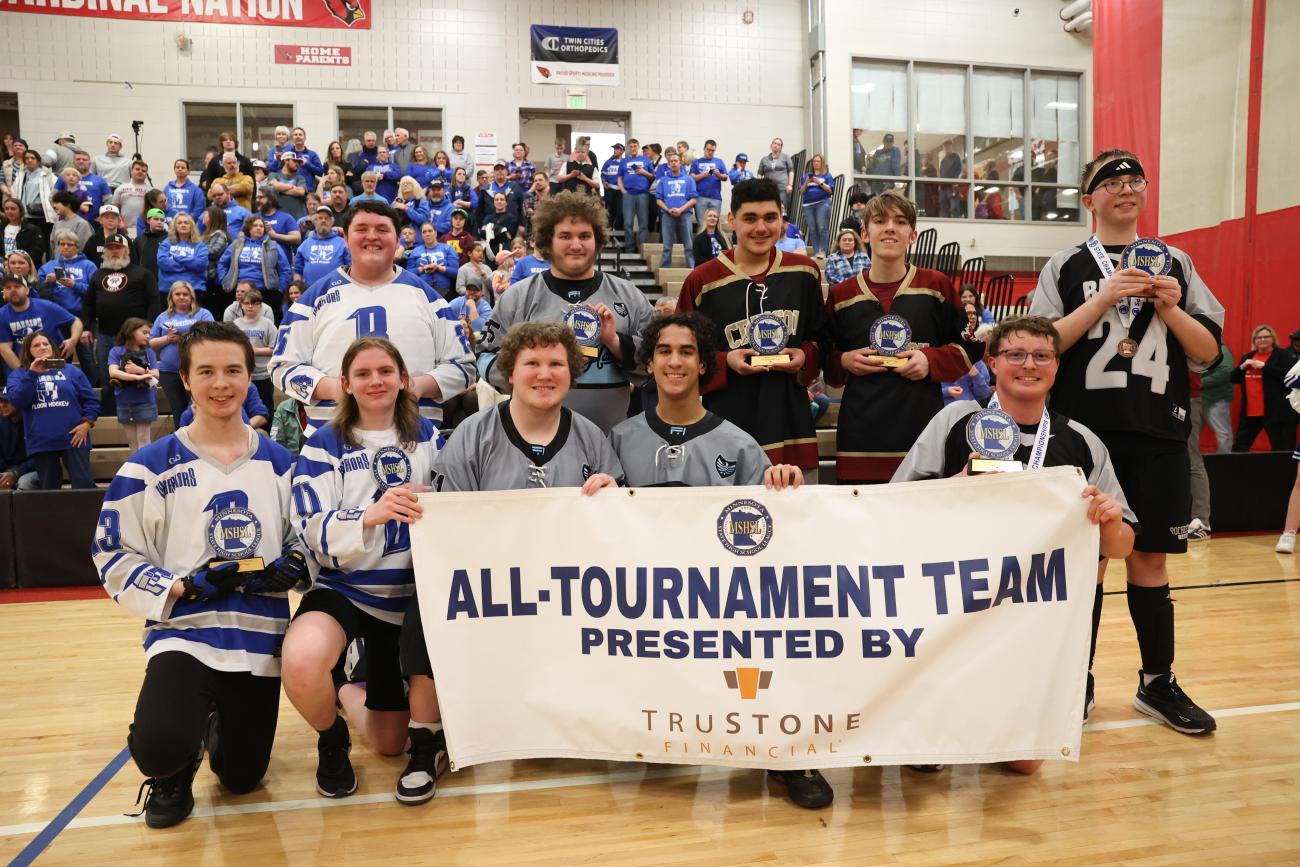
x=689, y=70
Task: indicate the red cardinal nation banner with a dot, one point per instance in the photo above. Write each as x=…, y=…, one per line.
x=335, y=14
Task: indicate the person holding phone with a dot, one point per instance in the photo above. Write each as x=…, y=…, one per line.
x=59, y=408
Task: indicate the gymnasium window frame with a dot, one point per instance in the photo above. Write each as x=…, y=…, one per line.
x=1027, y=190
x=394, y=117
x=196, y=159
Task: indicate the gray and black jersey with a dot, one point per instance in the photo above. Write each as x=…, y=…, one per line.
x=941, y=451
x=1145, y=392
x=713, y=451
x=602, y=392
x=487, y=453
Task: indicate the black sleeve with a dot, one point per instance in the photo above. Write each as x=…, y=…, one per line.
x=152, y=304
x=702, y=248
x=90, y=301
x=1238, y=375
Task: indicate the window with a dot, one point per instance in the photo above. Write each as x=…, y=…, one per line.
x=253, y=125
x=258, y=129
x=424, y=125
x=1012, y=134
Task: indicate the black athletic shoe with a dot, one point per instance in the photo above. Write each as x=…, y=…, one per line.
x=927, y=769
x=1164, y=700
x=334, y=775
x=807, y=789
x=169, y=799
x=1089, y=699
x=419, y=781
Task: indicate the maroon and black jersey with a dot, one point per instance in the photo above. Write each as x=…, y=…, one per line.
x=882, y=414
x=771, y=407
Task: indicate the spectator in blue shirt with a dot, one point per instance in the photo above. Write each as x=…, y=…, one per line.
x=311, y=167
x=635, y=175
x=65, y=278
x=434, y=262
x=281, y=226
x=849, y=258
x=183, y=195
x=17, y=470
x=527, y=266
x=22, y=315
x=817, y=187
x=95, y=187
x=609, y=172
x=59, y=408
x=369, y=185
x=183, y=257
x=471, y=308
x=411, y=205
x=165, y=337
x=389, y=174
x=676, y=198
x=236, y=214
x=439, y=207
x=257, y=259
x=323, y=252
x=461, y=193
x=790, y=241
x=709, y=173
x=739, y=169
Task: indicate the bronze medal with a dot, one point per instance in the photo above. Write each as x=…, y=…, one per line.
x=1127, y=347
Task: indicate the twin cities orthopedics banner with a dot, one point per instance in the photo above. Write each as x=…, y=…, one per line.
x=574, y=55
x=349, y=14
x=933, y=622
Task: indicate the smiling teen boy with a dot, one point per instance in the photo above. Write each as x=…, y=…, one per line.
x=177, y=520
x=885, y=408
x=1024, y=356
x=1128, y=339
x=767, y=402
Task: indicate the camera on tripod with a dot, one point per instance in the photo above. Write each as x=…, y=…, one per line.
x=136, y=125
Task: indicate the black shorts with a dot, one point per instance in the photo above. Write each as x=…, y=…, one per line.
x=415, y=653
x=385, y=688
x=1156, y=476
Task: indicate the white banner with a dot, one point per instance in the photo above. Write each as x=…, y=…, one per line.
x=933, y=622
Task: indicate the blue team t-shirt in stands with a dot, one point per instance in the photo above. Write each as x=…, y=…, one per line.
x=710, y=186
x=129, y=394
x=40, y=315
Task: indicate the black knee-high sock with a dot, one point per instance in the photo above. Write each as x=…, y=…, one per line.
x=1096, y=624
x=1153, y=617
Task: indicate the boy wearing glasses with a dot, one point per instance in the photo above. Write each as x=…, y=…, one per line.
x=1024, y=354
x=884, y=408
x=1128, y=339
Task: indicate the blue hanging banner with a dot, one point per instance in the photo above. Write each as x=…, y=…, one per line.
x=574, y=55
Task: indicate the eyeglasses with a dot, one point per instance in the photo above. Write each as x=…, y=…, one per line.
x=1016, y=357
x=1115, y=185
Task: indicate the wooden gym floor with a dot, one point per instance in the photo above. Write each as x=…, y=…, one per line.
x=1142, y=794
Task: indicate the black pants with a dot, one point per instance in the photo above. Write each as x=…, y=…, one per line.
x=614, y=205
x=177, y=397
x=50, y=465
x=171, y=720
x=1281, y=432
x=266, y=391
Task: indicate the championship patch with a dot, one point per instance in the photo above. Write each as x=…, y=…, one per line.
x=391, y=467
x=745, y=527
x=234, y=533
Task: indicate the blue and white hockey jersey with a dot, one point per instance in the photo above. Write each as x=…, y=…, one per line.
x=333, y=485
x=170, y=510
x=320, y=326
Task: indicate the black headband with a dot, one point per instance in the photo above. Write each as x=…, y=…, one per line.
x=1121, y=166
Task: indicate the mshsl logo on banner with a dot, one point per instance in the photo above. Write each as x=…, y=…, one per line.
x=933, y=622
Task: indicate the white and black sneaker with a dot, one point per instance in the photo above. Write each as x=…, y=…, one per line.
x=1197, y=531
x=1164, y=701
x=1285, y=544
x=170, y=800
x=419, y=782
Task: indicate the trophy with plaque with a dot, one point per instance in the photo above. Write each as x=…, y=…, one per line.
x=585, y=322
x=995, y=437
x=768, y=336
x=890, y=335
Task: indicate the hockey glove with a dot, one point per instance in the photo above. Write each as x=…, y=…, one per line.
x=287, y=573
x=212, y=581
